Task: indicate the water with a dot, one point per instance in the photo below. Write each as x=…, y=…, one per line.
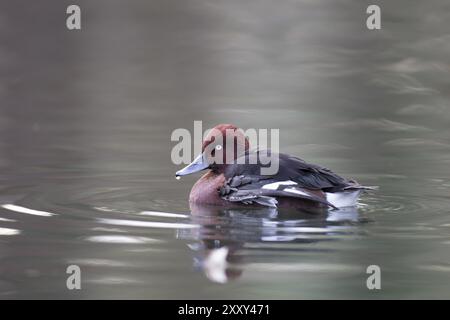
x=85, y=170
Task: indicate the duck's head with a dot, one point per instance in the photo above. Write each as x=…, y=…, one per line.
x=220, y=148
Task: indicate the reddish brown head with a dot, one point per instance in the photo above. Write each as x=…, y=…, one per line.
x=221, y=146
x=224, y=143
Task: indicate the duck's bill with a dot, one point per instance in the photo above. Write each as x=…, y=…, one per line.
x=197, y=165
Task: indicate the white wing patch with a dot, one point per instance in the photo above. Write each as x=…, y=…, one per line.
x=296, y=191
x=275, y=185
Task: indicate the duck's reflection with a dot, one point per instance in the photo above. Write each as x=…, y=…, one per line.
x=225, y=234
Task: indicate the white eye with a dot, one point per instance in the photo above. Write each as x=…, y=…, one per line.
x=218, y=147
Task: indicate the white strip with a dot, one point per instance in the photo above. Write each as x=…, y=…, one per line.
x=275, y=185
x=145, y=213
x=121, y=239
x=7, y=220
x=163, y=214
x=20, y=209
x=8, y=232
x=148, y=224
x=305, y=229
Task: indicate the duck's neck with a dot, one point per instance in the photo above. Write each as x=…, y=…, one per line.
x=205, y=190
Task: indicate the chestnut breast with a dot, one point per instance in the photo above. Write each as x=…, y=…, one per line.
x=205, y=189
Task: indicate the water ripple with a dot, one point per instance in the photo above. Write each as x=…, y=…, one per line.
x=8, y=232
x=122, y=239
x=147, y=224
x=402, y=204
x=20, y=209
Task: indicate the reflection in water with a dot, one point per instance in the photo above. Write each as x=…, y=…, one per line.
x=224, y=232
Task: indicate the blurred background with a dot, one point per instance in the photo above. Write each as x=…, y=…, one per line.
x=85, y=124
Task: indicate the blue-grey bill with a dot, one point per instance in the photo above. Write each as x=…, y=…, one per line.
x=197, y=165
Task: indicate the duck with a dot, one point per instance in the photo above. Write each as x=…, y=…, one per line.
x=296, y=183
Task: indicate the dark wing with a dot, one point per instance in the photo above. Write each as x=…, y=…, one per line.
x=295, y=178
x=312, y=176
x=306, y=175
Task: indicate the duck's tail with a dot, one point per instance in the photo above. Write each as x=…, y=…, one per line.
x=348, y=197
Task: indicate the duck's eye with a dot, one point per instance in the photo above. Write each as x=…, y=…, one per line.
x=218, y=147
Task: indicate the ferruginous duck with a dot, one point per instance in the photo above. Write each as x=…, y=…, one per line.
x=240, y=181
